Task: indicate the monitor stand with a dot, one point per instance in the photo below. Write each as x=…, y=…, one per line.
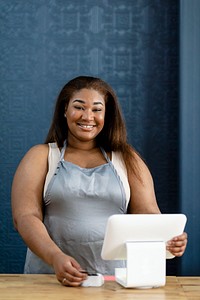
x=146, y=265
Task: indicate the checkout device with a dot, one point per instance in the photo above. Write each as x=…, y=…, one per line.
x=140, y=240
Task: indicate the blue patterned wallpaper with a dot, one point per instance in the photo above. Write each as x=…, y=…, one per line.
x=189, y=131
x=132, y=44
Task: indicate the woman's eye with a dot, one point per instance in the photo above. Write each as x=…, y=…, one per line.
x=97, y=109
x=78, y=107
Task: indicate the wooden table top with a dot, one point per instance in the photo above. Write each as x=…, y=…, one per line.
x=29, y=287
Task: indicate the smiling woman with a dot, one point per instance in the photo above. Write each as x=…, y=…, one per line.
x=65, y=190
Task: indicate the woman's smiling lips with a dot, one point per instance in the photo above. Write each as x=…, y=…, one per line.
x=86, y=126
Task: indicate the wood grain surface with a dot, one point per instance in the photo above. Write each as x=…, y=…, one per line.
x=29, y=287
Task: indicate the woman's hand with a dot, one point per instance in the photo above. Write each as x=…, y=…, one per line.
x=177, y=245
x=67, y=270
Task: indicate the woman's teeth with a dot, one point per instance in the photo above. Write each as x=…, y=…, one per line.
x=86, y=126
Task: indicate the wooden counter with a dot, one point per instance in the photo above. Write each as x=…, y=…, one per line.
x=29, y=287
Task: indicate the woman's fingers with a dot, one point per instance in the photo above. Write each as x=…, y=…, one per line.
x=178, y=244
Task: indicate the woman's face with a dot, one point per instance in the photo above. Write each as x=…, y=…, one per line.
x=85, y=115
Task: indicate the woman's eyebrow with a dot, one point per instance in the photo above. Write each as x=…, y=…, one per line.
x=77, y=100
x=97, y=102
x=82, y=102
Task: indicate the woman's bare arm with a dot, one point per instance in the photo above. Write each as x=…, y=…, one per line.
x=27, y=191
x=143, y=201
x=27, y=209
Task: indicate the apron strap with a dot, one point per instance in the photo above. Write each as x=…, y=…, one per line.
x=63, y=150
x=105, y=154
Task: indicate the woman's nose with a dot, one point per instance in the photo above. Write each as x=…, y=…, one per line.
x=87, y=114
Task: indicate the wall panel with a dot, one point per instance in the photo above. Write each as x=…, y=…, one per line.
x=131, y=44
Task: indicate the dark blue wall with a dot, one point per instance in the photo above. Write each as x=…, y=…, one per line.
x=131, y=44
x=190, y=130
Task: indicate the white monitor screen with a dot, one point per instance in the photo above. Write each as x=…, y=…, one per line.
x=139, y=227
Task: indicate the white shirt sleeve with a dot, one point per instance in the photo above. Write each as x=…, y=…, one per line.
x=53, y=159
x=120, y=167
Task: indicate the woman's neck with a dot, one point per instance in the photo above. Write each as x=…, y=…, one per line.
x=81, y=145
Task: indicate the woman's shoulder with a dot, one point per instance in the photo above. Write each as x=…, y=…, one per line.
x=39, y=148
x=34, y=161
x=45, y=152
x=37, y=152
x=139, y=163
x=43, y=148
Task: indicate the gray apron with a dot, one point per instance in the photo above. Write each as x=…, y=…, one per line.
x=78, y=202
